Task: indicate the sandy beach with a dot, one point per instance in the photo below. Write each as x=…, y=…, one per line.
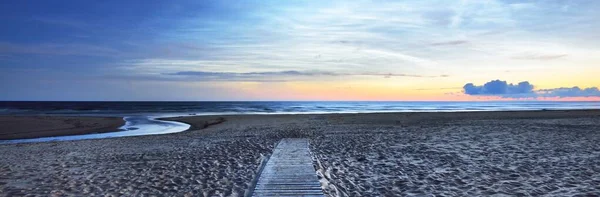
x=553, y=153
x=23, y=127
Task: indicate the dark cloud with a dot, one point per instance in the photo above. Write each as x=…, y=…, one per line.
x=525, y=90
x=497, y=87
x=252, y=74
x=570, y=92
x=454, y=42
x=289, y=73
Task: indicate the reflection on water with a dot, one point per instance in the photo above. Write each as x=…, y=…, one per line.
x=207, y=108
x=140, y=116
x=134, y=126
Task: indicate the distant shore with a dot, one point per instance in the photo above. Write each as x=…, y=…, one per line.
x=523, y=153
x=200, y=122
x=25, y=127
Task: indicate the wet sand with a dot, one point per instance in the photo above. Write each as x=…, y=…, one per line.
x=553, y=153
x=24, y=127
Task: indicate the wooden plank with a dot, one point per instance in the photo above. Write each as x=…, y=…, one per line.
x=289, y=171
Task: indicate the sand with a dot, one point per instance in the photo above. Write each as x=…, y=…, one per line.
x=22, y=127
x=463, y=157
x=553, y=153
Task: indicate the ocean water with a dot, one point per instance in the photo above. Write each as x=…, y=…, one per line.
x=141, y=117
x=212, y=108
x=134, y=126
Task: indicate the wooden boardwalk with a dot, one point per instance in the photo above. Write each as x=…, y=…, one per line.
x=289, y=171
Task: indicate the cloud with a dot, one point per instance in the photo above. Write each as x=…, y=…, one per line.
x=525, y=90
x=497, y=87
x=289, y=72
x=353, y=42
x=540, y=57
x=280, y=75
x=570, y=92
x=57, y=49
x=450, y=43
x=389, y=75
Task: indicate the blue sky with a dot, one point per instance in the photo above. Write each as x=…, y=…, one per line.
x=292, y=50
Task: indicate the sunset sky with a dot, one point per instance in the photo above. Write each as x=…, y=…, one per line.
x=300, y=50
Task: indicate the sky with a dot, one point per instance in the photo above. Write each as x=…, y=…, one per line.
x=300, y=50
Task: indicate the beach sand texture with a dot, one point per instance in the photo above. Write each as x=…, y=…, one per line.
x=552, y=153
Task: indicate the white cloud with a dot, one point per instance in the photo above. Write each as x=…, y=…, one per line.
x=382, y=36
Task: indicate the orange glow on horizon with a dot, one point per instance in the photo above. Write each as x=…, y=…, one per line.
x=328, y=91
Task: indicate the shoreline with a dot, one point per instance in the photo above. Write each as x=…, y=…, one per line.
x=29, y=127
x=551, y=153
x=18, y=127
x=199, y=122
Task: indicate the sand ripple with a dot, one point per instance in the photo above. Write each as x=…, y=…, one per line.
x=186, y=168
x=356, y=155
x=477, y=158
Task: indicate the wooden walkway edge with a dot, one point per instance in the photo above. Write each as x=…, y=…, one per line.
x=289, y=171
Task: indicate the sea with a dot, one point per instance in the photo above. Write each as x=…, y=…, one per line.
x=142, y=118
x=274, y=107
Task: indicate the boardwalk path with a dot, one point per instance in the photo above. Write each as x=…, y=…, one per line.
x=289, y=171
